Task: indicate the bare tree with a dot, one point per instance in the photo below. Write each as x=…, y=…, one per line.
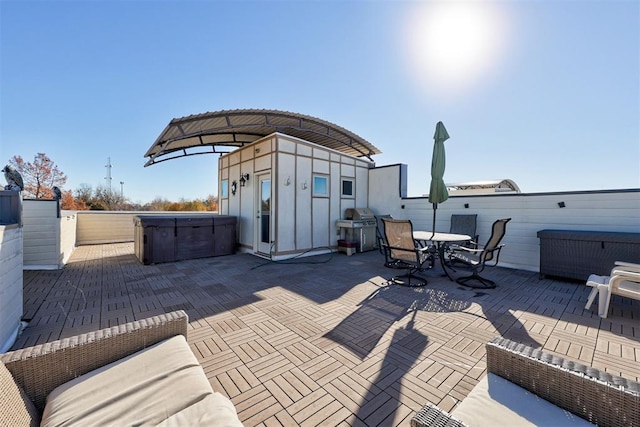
x=40, y=176
x=85, y=193
x=107, y=198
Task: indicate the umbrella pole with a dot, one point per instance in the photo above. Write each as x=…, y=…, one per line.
x=433, y=227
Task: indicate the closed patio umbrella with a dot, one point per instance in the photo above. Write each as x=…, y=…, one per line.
x=438, y=191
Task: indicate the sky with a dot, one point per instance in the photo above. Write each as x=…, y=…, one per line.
x=543, y=92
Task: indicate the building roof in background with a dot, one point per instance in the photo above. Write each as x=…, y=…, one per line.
x=223, y=131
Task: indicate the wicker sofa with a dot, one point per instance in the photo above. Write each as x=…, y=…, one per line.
x=525, y=386
x=140, y=373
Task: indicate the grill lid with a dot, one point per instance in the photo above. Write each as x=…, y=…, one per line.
x=358, y=213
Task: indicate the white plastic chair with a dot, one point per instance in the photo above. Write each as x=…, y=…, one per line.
x=624, y=280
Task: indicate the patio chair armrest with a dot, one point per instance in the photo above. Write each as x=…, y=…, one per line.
x=633, y=276
x=595, y=395
x=465, y=249
x=40, y=369
x=424, y=249
x=431, y=415
x=410, y=250
x=626, y=266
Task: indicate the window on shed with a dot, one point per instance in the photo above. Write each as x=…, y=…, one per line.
x=224, y=189
x=347, y=187
x=320, y=186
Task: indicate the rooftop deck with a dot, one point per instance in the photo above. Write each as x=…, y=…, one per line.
x=326, y=340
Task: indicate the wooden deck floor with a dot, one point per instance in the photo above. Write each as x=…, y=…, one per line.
x=326, y=340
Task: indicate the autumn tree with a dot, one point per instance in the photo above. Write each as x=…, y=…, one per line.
x=68, y=202
x=40, y=176
x=158, y=204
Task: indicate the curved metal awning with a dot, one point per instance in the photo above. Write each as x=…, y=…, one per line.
x=220, y=131
x=494, y=185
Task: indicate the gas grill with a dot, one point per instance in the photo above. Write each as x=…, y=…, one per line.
x=359, y=226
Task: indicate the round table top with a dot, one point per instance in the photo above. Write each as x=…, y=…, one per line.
x=440, y=237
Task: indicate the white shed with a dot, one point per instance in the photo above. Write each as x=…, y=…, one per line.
x=288, y=180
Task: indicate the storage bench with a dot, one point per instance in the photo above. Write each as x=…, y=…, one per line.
x=575, y=254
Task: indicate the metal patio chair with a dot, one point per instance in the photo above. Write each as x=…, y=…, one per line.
x=383, y=248
x=465, y=224
x=405, y=252
x=478, y=259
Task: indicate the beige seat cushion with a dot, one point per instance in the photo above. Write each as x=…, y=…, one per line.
x=163, y=384
x=495, y=401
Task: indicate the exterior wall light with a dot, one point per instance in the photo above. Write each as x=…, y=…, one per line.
x=234, y=187
x=243, y=179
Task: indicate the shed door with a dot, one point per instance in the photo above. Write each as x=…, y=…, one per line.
x=263, y=217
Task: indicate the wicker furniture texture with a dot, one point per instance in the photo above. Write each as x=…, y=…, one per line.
x=594, y=395
x=575, y=254
x=29, y=375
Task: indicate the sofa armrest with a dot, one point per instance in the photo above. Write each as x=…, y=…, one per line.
x=594, y=395
x=40, y=369
x=432, y=416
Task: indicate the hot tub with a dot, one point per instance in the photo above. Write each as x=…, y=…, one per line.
x=166, y=238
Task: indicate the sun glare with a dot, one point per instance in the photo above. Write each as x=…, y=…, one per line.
x=454, y=44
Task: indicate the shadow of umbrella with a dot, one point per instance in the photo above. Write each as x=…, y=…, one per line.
x=438, y=190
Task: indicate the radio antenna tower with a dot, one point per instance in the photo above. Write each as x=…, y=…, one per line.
x=108, y=177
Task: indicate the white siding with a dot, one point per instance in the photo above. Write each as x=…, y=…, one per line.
x=11, y=302
x=95, y=227
x=362, y=187
x=68, y=225
x=286, y=189
x=41, y=234
x=320, y=220
x=335, y=202
x=303, y=203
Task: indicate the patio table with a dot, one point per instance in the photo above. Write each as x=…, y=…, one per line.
x=441, y=242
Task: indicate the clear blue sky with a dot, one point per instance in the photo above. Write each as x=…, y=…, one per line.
x=546, y=93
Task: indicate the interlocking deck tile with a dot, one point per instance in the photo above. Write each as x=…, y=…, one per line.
x=309, y=405
x=270, y=366
x=280, y=419
x=220, y=362
x=301, y=352
x=380, y=402
x=256, y=405
x=253, y=350
x=283, y=338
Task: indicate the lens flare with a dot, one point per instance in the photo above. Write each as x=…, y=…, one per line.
x=453, y=45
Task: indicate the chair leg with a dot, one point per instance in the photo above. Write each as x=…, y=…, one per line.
x=486, y=283
x=604, y=300
x=595, y=282
x=409, y=279
x=592, y=296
